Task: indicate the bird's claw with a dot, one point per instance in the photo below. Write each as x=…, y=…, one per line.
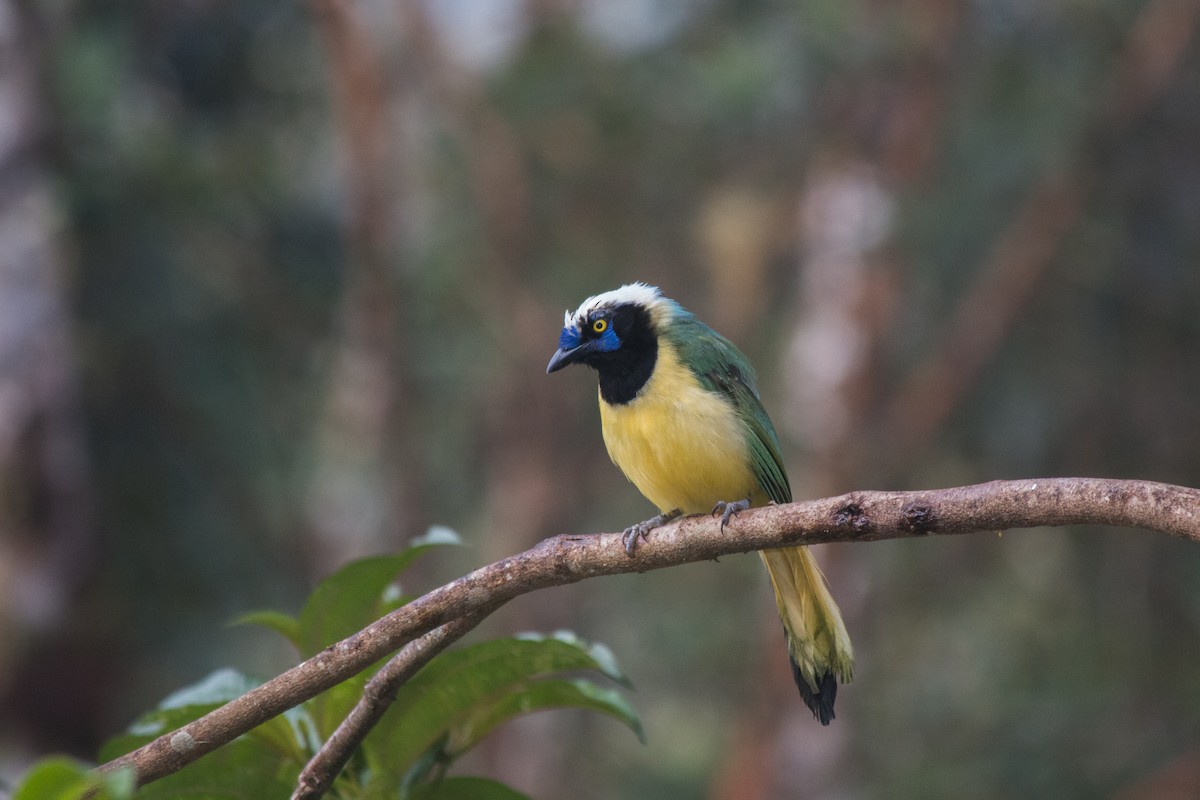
x=632, y=534
x=728, y=510
x=642, y=530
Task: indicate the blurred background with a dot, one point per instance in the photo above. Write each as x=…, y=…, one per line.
x=279, y=281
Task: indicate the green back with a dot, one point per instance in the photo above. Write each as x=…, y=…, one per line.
x=722, y=368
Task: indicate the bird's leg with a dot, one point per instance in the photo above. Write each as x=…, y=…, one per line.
x=728, y=509
x=642, y=529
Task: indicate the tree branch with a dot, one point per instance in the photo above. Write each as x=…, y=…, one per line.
x=377, y=698
x=855, y=517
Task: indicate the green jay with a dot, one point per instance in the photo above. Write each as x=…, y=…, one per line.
x=682, y=418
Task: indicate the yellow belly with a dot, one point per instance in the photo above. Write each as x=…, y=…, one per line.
x=682, y=446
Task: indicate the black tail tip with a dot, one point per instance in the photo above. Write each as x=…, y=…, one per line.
x=819, y=702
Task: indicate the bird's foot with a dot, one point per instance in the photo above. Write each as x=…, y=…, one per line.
x=727, y=510
x=642, y=530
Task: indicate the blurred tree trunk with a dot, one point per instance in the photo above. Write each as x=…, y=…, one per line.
x=45, y=508
x=520, y=503
x=365, y=495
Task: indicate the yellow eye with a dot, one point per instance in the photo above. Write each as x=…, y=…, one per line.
x=600, y=325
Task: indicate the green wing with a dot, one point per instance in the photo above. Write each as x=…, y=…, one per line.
x=722, y=368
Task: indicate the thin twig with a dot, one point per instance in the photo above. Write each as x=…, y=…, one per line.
x=560, y=560
x=378, y=695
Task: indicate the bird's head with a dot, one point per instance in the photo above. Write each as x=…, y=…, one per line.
x=611, y=332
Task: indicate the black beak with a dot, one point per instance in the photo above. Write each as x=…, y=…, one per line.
x=565, y=357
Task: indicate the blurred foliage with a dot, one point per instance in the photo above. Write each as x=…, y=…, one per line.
x=447, y=708
x=825, y=182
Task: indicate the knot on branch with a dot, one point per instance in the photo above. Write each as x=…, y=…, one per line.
x=852, y=516
x=918, y=516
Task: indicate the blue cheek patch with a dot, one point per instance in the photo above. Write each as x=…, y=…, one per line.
x=609, y=341
x=568, y=339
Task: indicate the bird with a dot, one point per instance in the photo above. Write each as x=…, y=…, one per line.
x=682, y=418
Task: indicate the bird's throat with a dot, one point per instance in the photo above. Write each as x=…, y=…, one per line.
x=624, y=372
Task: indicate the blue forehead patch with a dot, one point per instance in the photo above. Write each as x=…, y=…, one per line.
x=569, y=338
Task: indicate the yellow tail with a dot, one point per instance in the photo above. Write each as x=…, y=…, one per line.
x=818, y=644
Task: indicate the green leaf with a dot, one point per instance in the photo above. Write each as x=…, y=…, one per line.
x=467, y=789
x=218, y=688
x=357, y=595
x=62, y=778
x=462, y=686
x=119, y=784
x=346, y=601
x=56, y=778
x=178, y=709
x=291, y=735
x=352, y=597
x=542, y=695
x=349, y=600
x=283, y=624
x=604, y=659
x=244, y=769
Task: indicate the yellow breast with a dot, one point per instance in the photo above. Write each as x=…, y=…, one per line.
x=681, y=445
